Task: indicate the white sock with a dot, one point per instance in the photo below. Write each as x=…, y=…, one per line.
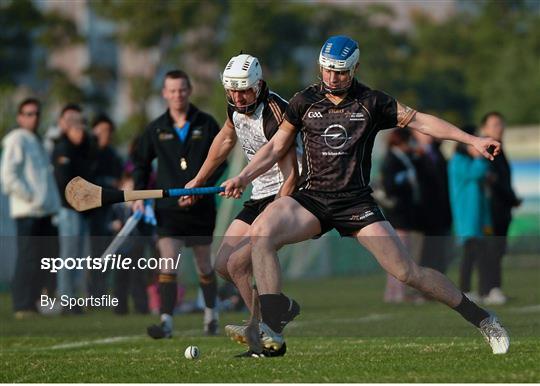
x=167, y=320
x=210, y=314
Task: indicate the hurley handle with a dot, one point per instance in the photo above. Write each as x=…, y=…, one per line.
x=193, y=191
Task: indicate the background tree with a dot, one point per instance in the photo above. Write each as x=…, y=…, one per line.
x=485, y=56
x=176, y=29
x=18, y=19
x=27, y=31
x=504, y=70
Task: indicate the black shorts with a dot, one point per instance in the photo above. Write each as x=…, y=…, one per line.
x=188, y=228
x=253, y=208
x=346, y=212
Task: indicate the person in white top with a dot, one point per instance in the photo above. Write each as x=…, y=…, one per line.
x=27, y=178
x=254, y=114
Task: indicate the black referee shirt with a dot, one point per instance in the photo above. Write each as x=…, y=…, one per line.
x=177, y=162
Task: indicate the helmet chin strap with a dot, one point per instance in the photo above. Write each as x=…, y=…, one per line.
x=246, y=109
x=335, y=91
x=339, y=91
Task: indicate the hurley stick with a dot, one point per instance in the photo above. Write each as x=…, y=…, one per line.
x=252, y=330
x=83, y=195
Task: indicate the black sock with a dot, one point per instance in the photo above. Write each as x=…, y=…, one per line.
x=208, y=285
x=167, y=292
x=471, y=312
x=272, y=307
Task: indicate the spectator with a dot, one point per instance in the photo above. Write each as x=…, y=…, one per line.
x=434, y=216
x=106, y=172
x=467, y=171
x=402, y=191
x=33, y=198
x=503, y=199
x=133, y=280
x=72, y=156
x=54, y=133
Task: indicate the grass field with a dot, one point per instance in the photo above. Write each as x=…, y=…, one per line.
x=344, y=334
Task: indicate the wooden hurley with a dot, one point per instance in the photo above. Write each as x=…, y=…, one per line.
x=83, y=195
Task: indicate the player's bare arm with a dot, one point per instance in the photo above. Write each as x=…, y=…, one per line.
x=265, y=158
x=289, y=168
x=220, y=149
x=441, y=129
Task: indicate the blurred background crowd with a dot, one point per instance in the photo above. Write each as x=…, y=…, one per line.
x=93, y=71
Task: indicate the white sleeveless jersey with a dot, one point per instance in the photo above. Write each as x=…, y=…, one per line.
x=253, y=132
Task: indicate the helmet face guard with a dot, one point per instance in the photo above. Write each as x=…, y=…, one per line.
x=341, y=88
x=339, y=53
x=243, y=72
x=244, y=109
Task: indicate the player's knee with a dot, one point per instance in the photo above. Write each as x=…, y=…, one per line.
x=207, y=278
x=205, y=268
x=258, y=229
x=238, y=265
x=408, y=274
x=260, y=233
x=221, y=268
x=261, y=244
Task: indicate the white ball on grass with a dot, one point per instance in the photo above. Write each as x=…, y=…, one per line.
x=192, y=352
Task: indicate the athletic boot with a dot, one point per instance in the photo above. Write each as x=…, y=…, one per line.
x=211, y=317
x=163, y=330
x=159, y=331
x=238, y=332
x=266, y=353
x=269, y=339
x=292, y=312
x=495, y=334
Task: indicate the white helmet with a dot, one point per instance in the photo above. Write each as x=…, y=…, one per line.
x=242, y=73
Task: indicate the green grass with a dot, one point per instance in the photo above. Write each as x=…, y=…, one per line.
x=345, y=333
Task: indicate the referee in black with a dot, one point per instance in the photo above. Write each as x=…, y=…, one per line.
x=179, y=140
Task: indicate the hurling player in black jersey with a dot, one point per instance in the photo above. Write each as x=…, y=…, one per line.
x=338, y=120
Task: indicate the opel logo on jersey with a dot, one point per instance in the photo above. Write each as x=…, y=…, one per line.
x=335, y=136
x=314, y=114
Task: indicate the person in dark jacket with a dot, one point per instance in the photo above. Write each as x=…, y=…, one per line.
x=434, y=214
x=72, y=156
x=402, y=189
x=179, y=140
x=107, y=171
x=131, y=281
x=503, y=199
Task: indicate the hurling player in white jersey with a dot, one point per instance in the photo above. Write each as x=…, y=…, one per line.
x=338, y=119
x=254, y=114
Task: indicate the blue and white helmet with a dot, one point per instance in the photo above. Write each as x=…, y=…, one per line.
x=339, y=53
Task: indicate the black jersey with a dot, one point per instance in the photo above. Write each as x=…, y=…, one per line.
x=178, y=161
x=338, y=139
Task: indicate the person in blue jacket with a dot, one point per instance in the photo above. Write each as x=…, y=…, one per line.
x=467, y=171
